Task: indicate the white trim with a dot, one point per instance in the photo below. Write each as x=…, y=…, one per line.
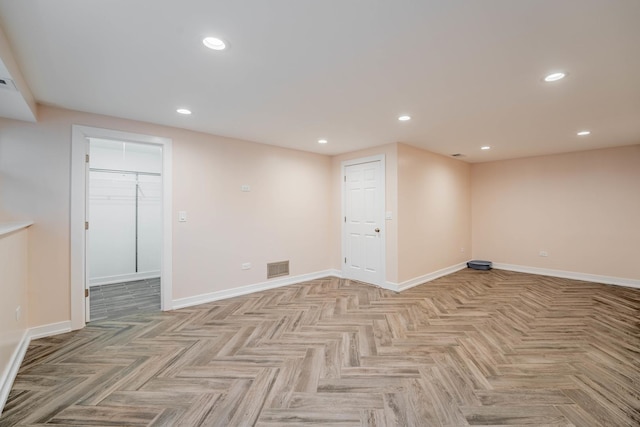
x=107, y=280
x=608, y=280
x=330, y=272
x=79, y=135
x=361, y=160
x=431, y=276
x=9, y=374
x=76, y=226
x=11, y=226
x=49, y=330
x=390, y=286
x=407, y=284
x=248, y=289
x=166, y=257
x=383, y=223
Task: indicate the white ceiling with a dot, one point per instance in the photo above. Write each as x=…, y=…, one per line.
x=468, y=72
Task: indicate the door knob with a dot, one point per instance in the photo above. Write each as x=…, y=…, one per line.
x=377, y=230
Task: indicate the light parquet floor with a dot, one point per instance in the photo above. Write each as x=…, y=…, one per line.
x=473, y=348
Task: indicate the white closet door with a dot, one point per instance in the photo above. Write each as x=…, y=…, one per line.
x=149, y=223
x=112, y=219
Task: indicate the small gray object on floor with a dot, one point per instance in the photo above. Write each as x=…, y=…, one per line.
x=477, y=264
x=121, y=299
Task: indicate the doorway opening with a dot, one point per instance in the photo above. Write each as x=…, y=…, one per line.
x=124, y=215
x=113, y=176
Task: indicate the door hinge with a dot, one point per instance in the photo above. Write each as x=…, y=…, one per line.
x=345, y=260
x=86, y=158
x=345, y=219
x=345, y=178
x=86, y=225
x=86, y=293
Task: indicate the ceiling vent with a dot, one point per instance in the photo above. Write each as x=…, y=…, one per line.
x=6, y=83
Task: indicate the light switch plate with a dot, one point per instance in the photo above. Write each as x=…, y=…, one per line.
x=182, y=216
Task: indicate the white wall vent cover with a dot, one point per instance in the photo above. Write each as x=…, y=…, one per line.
x=277, y=269
x=6, y=83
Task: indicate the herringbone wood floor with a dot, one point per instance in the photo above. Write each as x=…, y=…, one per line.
x=473, y=348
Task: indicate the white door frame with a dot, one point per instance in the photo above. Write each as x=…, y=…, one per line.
x=79, y=135
x=383, y=228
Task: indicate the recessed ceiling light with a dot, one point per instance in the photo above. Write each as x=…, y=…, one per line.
x=486, y=147
x=584, y=133
x=322, y=141
x=404, y=118
x=183, y=111
x=214, y=43
x=554, y=77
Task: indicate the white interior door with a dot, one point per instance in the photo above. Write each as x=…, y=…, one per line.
x=363, y=232
x=87, y=300
x=149, y=224
x=112, y=206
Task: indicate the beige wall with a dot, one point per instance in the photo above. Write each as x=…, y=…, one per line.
x=13, y=291
x=285, y=216
x=35, y=171
x=434, y=212
x=429, y=196
x=390, y=151
x=582, y=208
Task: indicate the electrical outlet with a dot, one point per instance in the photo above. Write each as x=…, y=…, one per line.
x=543, y=254
x=246, y=266
x=245, y=188
x=461, y=249
x=18, y=313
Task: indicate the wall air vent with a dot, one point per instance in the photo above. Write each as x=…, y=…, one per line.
x=277, y=269
x=6, y=83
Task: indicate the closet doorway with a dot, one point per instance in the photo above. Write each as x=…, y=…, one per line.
x=124, y=237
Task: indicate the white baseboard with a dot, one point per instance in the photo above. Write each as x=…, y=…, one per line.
x=390, y=286
x=256, y=287
x=609, y=280
x=9, y=374
x=407, y=284
x=332, y=272
x=107, y=280
x=49, y=330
